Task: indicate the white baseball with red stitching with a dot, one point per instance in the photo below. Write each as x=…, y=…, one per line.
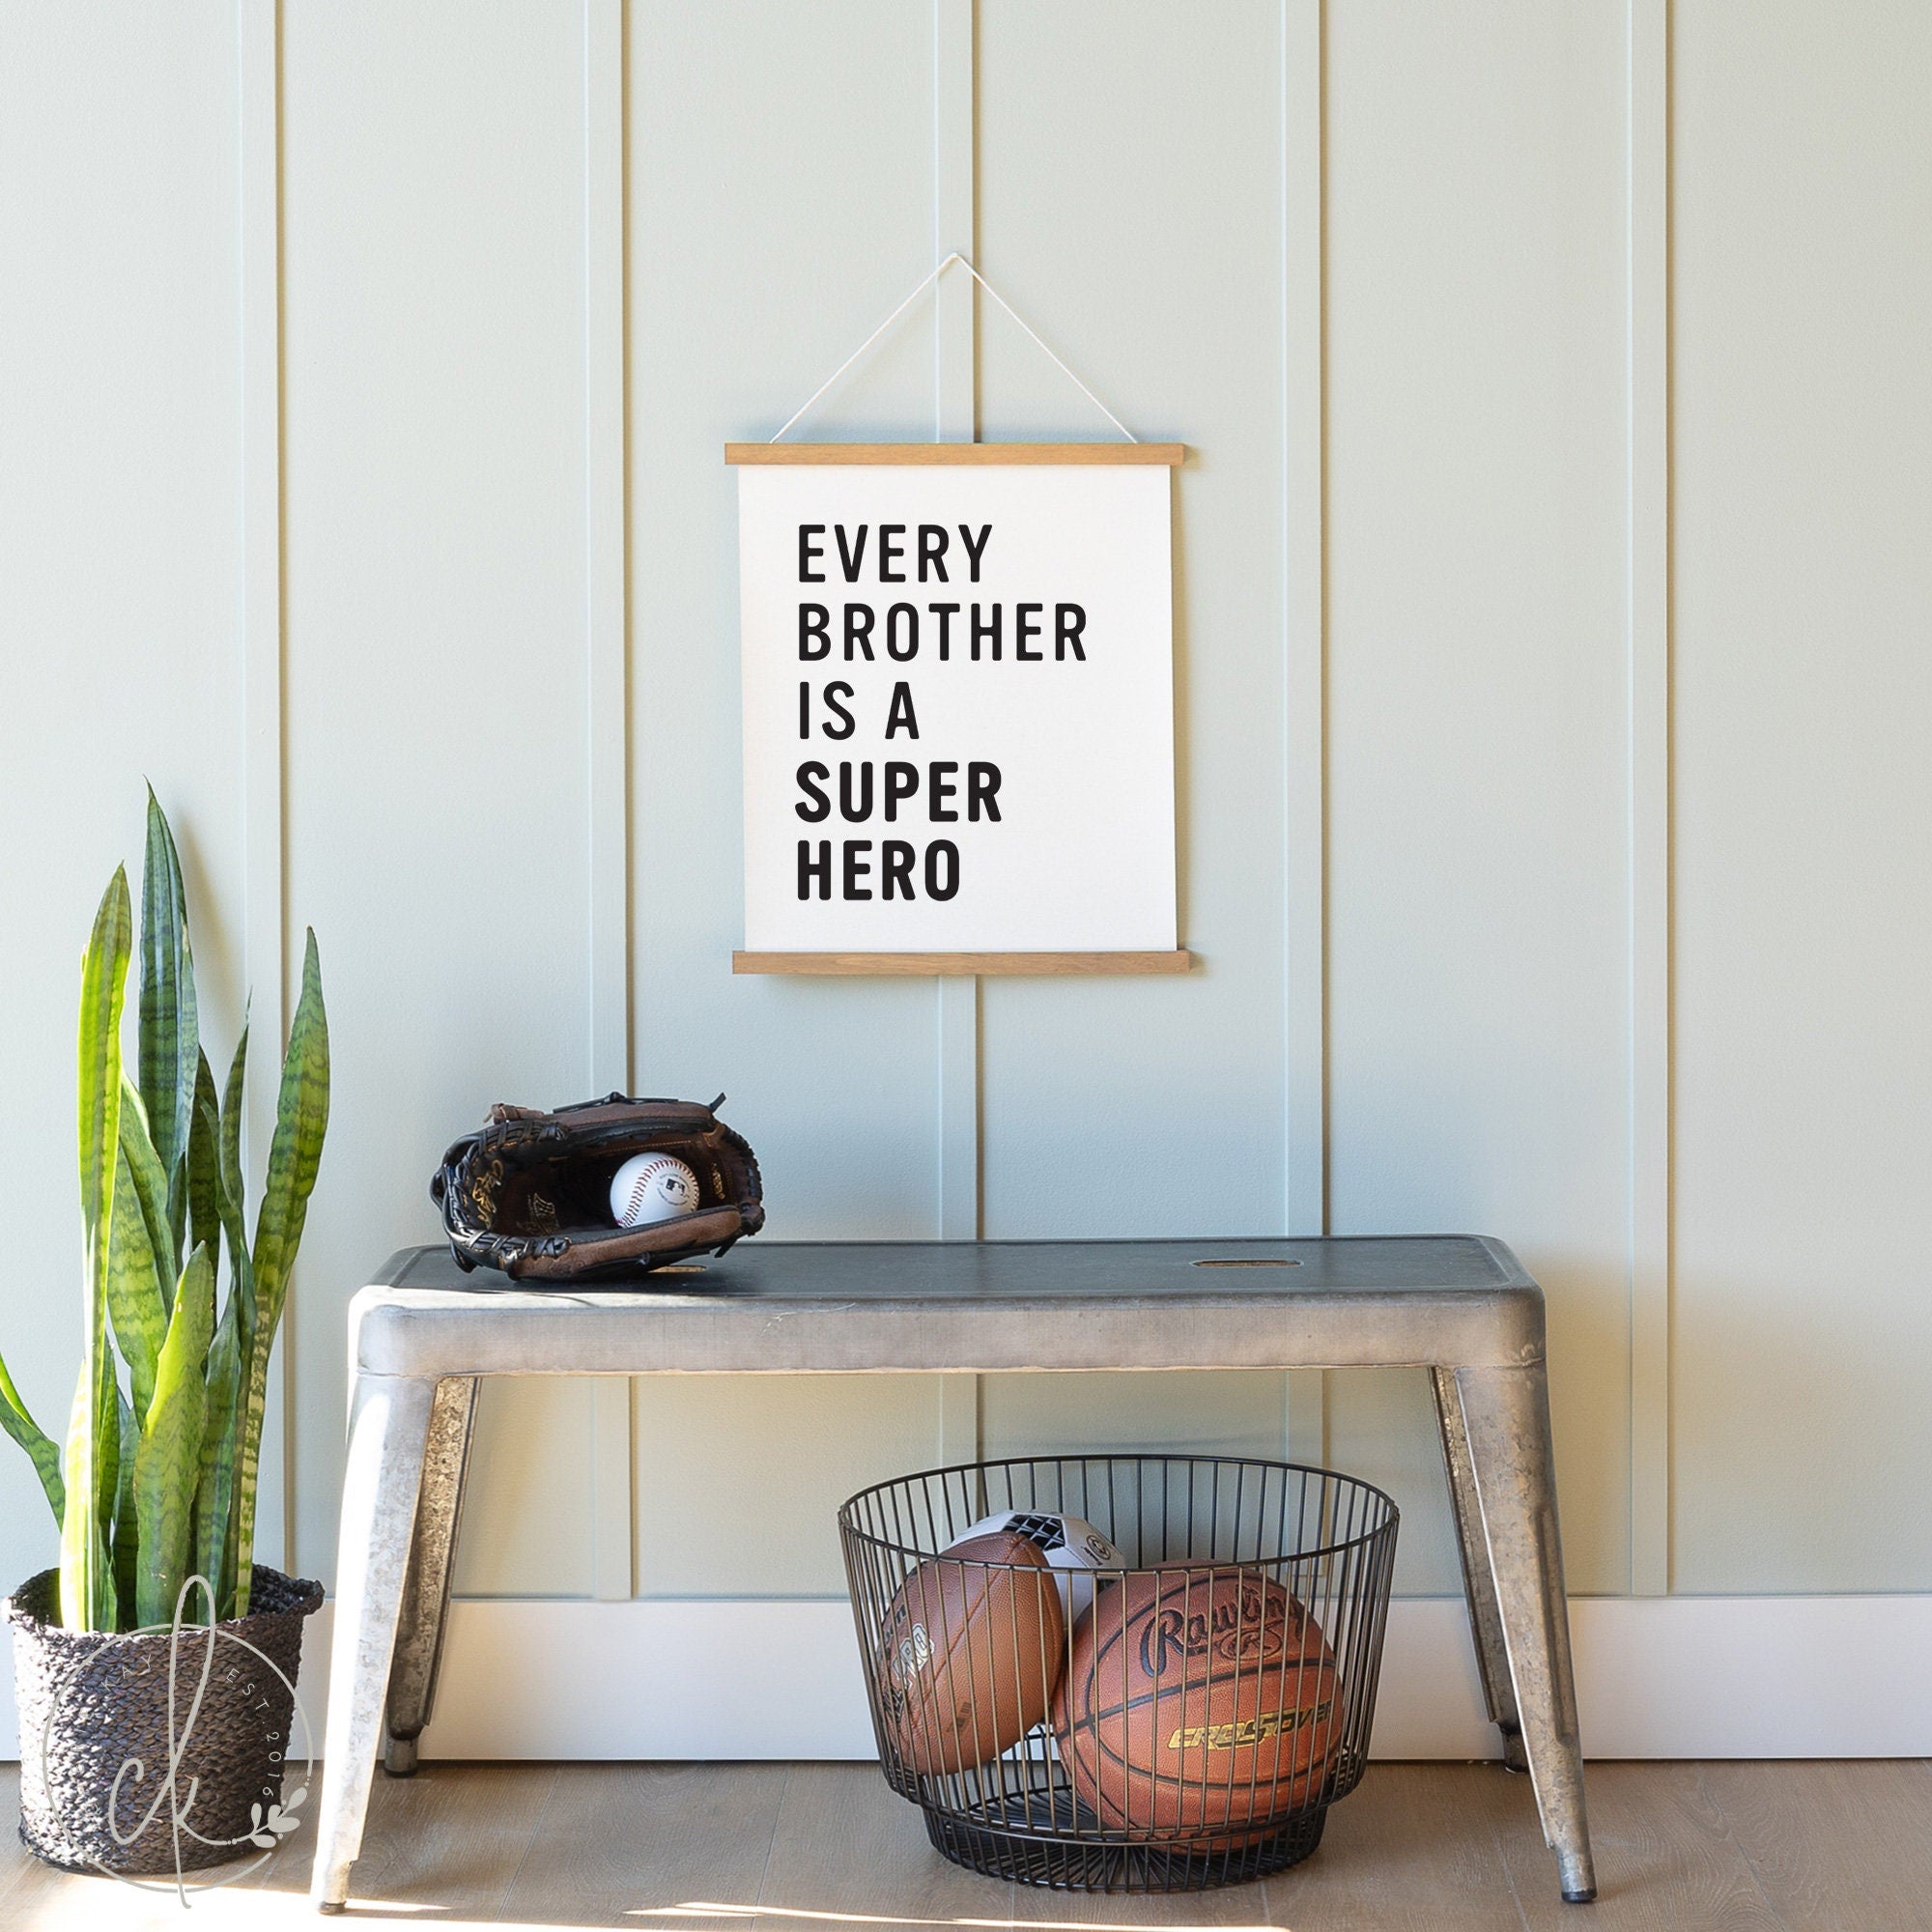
x=652, y=1188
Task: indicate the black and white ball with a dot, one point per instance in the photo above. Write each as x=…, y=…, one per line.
x=1070, y=1545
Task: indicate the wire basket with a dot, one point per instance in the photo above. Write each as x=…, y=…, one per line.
x=1178, y=1715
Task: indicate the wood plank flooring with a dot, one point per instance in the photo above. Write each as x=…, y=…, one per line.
x=1796, y=1847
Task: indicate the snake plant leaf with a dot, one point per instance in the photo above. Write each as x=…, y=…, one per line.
x=295, y=1155
x=228, y=1206
x=232, y=1097
x=229, y=1195
x=167, y=1465
x=85, y=1589
x=170, y=1041
x=230, y=1203
x=150, y=1178
x=127, y=1531
x=35, y=1440
x=97, y=1407
x=134, y=1285
x=214, y=1492
x=103, y=987
x=84, y=1555
x=215, y=1504
x=109, y=1406
x=107, y=1401
x=204, y=1160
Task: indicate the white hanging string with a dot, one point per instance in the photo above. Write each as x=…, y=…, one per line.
x=859, y=352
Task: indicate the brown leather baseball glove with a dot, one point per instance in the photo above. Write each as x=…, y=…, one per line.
x=531, y=1193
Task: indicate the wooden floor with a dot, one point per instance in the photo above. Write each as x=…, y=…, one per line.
x=810, y=1847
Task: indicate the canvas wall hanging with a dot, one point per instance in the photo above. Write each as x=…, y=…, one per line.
x=959, y=706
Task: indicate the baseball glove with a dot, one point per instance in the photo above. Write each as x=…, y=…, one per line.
x=531, y=1193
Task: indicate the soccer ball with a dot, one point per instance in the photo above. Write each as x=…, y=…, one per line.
x=1070, y=1545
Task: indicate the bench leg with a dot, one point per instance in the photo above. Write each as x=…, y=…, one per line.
x=1486, y=1622
x=418, y=1654
x=1506, y=1413
x=387, y=1432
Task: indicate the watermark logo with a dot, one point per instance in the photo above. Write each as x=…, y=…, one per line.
x=146, y=1798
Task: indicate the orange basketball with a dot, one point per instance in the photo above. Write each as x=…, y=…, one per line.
x=1198, y=1699
x=971, y=1654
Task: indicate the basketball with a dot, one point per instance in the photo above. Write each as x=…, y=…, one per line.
x=1195, y=1699
x=971, y=1655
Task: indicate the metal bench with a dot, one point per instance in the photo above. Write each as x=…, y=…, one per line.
x=1461, y=1306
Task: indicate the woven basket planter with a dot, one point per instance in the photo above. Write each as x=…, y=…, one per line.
x=92, y=1701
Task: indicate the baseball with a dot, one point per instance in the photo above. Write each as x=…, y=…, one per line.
x=652, y=1188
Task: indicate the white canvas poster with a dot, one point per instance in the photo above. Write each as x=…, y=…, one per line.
x=958, y=707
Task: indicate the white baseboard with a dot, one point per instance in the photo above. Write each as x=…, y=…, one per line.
x=1658, y=1677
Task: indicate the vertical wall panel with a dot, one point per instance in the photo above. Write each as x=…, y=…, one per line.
x=1477, y=699
x=1647, y=298
x=436, y=669
x=767, y=243
x=529, y=1528
x=1187, y=1413
x=1803, y=418
x=1152, y=265
x=1130, y=209
x=119, y=503
x=740, y=1480
x=780, y=206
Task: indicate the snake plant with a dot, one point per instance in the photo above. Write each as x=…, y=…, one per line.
x=156, y=1479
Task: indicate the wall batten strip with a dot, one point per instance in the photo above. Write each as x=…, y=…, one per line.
x=1648, y=271
x=604, y=527
x=956, y=420
x=607, y=723
x=1304, y=1028
x=954, y=372
x=265, y=948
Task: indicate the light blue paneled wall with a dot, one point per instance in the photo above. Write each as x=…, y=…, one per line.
x=317, y=549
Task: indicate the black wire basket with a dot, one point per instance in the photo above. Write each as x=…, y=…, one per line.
x=1121, y=1673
